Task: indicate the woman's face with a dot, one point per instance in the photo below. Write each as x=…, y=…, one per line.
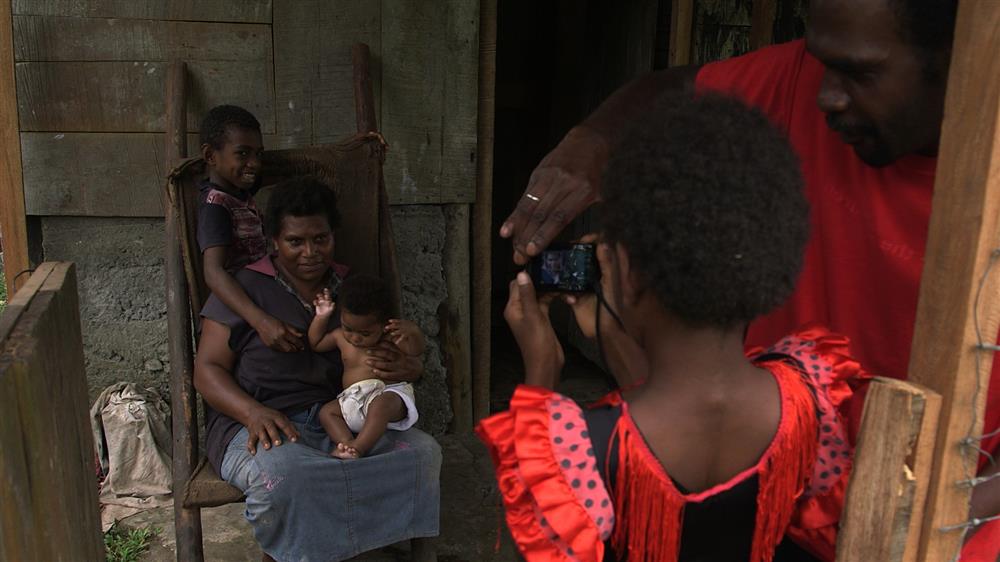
x=305, y=246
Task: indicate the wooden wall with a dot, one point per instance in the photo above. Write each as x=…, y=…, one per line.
x=90, y=82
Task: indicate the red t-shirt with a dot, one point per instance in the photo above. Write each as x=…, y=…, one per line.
x=868, y=225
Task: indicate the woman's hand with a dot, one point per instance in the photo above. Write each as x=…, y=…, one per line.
x=528, y=318
x=265, y=426
x=406, y=335
x=392, y=365
x=565, y=183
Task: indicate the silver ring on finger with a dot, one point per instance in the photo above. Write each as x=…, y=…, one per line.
x=532, y=197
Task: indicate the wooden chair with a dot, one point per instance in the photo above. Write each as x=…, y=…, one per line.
x=364, y=241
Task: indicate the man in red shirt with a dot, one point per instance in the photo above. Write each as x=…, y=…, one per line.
x=861, y=99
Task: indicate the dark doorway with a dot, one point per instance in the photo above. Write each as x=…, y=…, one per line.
x=556, y=61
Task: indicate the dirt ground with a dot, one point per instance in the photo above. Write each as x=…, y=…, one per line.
x=471, y=516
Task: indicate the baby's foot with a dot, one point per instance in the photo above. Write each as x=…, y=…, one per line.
x=345, y=451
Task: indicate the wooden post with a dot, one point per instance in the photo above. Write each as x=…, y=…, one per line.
x=364, y=97
x=482, y=214
x=187, y=521
x=48, y=501
x=959, y=289
x=681, y=21
x=762, y=23
x=885, y=497
x=13, y=229
x=364, y=112
x=454, y=316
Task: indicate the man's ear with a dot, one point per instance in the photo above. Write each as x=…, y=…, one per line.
x=208, y=153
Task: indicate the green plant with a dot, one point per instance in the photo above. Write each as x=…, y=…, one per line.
x=3, y=292
x=125, y=545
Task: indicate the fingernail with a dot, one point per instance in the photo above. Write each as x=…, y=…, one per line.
x=505, y=230
x=523, y=279
x=532, y=248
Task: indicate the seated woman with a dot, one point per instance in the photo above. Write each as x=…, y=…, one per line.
x=264, y=433
x=715, y=454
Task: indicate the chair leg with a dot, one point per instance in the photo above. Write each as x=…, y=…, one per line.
x=187, y=526
x=423, y=550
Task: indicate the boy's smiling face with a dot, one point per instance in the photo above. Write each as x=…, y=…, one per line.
x=236, y=165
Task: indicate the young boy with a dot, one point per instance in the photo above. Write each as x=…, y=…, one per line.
x=230, y=232
x=367, y=406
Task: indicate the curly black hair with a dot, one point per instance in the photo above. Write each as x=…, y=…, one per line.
x=303, y=196
x=363, y=294
x=213, y=126
x=705, y=195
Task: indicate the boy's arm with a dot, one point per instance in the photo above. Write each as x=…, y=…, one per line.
x=407, y=336
x=273, y=332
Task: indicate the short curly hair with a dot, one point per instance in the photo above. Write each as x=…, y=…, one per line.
x=705, y=195
x=213, y=126
x=363, y=294
x=303, y=196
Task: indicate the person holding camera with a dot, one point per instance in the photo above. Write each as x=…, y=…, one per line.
x=716, y=454
x=861, y=99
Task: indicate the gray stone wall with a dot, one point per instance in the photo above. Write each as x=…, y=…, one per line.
x=120, y=264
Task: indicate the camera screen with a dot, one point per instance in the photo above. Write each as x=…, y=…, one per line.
x=566, y=269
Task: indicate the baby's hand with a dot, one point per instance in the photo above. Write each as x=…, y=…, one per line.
x=324, y=304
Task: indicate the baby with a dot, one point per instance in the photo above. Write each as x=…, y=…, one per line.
x=367, y=406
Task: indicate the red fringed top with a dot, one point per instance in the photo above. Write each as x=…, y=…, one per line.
x=559, y=508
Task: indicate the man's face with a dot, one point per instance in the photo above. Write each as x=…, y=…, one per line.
x=305, y=246
x=236, y=165
x=876, y=91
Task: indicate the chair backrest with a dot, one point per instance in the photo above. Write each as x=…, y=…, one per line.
x=352, y=168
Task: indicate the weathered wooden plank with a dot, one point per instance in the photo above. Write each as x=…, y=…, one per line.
x=312, y=53
x=957, y=297
x=482, y=214
x=97, y=174
x=882, y=496
x=429, y=95
x=128, y=96
x=13, y=229
x=333, y=93
x=252, y=11
x=53, y=38
x=16, y=531
x=681, y=22
x=762, y=23
x=454, y=317
x=57, y=444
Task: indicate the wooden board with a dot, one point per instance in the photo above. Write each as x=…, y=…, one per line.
x=964, y=227
x=681, y=22
x=128, y=96
x=884, y=496
x=52, y=38
x=314, y=97
x=258, y=11
x=429, y=98
x=97, y=174
x=454, y=317
x=13, y=229
x=59, y=506
x=762, y=23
